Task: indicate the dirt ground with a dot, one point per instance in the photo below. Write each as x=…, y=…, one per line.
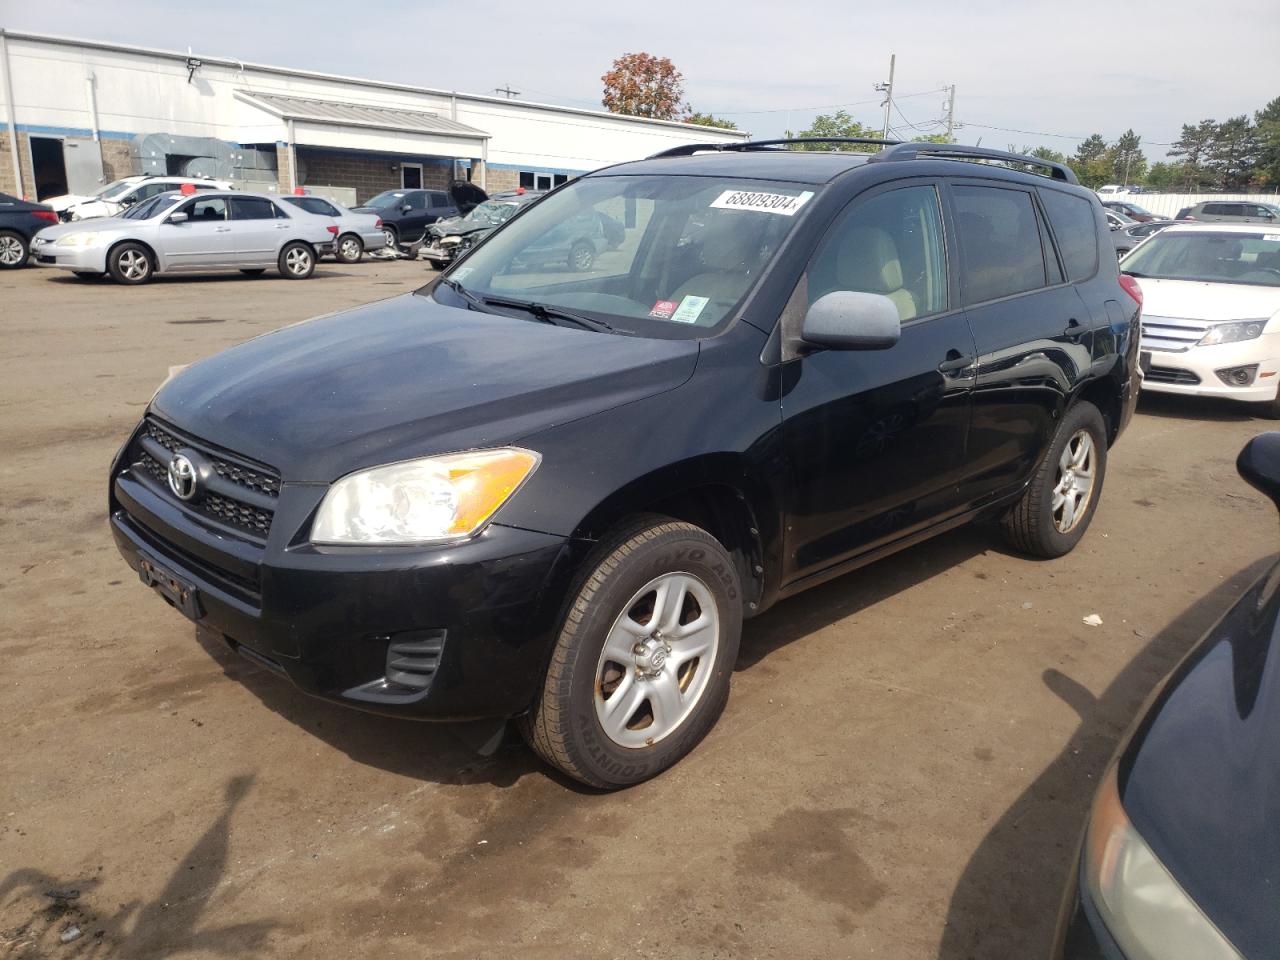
x=902, y=770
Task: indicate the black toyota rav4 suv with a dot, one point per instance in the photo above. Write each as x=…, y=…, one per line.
x=554, y=495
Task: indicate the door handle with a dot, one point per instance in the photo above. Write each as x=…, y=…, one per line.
x=955, y=360
x=1075, y=330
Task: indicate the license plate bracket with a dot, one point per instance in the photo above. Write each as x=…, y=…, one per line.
x=175, y=590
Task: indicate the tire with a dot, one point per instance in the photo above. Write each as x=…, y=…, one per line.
x=1040, y=524
x=130, y=263
x=14, y=250
x=438, y=264
x=297, y=261
x=582, y=257
x=569, y=725
x=349, y=249
x=393, y=237
x=253, y=271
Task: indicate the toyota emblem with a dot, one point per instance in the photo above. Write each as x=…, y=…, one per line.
x=182, y=477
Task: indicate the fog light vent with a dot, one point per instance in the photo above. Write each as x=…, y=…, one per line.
x=1238, y=376
x=412, y=658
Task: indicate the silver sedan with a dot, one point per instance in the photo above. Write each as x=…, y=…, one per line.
x=191, y=233
x=357, y=232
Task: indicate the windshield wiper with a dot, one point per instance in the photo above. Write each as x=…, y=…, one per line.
x=548, y=314
x=464, y=293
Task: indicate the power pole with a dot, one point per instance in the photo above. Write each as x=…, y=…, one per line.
x=507, y=91
x=887, y=90
x=951, y=111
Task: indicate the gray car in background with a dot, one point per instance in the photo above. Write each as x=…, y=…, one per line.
x=191, y=233
x=1231, y=211
x=357, y=232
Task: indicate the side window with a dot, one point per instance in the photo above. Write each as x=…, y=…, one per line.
x=210, y=208
x=1262, y=212
x=252, y=208
x=999, y=242
x=890, y=244
x=327, y=208
x=1076, y=232
x=439, y=200
x=416, y=200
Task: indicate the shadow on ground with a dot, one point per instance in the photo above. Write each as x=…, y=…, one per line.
x=63, y=907
x=1171, y=406
x=1007, y=900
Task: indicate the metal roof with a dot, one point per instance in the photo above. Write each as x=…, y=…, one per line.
x=358, y=115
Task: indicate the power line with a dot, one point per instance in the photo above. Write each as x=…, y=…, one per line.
x=1061, y=136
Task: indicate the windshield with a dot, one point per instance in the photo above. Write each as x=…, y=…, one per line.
x=150, y=207
x=491, y=212
x=114, y=189
x=1248, y=258
x=388, y=198
x=659, y=256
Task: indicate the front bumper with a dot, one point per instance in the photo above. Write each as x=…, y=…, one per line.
x=328, y=618
x=1193, y=372
x=90, y=259
x=438, y=251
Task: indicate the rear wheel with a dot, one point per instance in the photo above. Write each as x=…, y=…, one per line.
x=393, y=238
x=297, y=261
x=1059, y=503
x=349, y=249
x=13, y=250
x=129, y=263
x=641, y=667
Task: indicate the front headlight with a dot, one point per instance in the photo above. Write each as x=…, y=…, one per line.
x=1142, y=905
x=76, y=240
x=1233, y=332
x=431, y=500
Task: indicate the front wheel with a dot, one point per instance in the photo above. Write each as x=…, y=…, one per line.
x=297, y=261
x=641, y=667
x=13, y=250
x=1058, y=504
x=349, y=249
x=582, y=257
x=130, y=263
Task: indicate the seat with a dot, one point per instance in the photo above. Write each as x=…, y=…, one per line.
x=867, y=261
x=729, y=251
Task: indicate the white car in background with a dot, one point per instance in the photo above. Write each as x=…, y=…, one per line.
x=191, y=232
x=120, y=195
x=1211, y=311
x=357, y=232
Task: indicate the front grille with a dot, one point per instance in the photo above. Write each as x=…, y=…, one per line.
x=1171, y=375
x=240, y=494
x=1172, y=334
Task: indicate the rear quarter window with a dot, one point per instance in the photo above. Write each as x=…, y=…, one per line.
x=1075, y=230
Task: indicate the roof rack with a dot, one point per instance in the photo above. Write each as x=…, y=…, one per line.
x=689, y=149
x=910, y=151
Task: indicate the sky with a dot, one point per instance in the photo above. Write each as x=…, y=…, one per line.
x=1026, y=74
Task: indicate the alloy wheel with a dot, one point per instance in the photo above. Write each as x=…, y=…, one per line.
x=350, y=249
x=134, y=264
x=298, y=261
x=657, y=660
x=11, y=252
x=1074, y=487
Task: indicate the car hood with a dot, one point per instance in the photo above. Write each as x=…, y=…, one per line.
x=408, y=377
x=457, y=228
x=94, y=225
x=1200, y=780
x=1195, y=300
x=66, y=200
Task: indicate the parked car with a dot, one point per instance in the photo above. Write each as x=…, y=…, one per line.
x=357, y=232
x=1140, y=231
x=120, y=195
x=556, y=497
x=20, y=220
x=1230, y=211
x=406, y=214
x=1212, y=311
x=1181, y=855
x=1119, y=224
x=448, y=239
x=1130, y=210
x=191, y=232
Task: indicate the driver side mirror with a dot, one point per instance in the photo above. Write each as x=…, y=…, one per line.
x=179, y=217
x=851, y=320
x=405, y=208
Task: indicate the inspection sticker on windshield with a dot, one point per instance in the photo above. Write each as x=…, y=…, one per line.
x=663, y=309
x=779, y=203
x=689, y=309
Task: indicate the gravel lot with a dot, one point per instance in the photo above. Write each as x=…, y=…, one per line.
x=902, y=770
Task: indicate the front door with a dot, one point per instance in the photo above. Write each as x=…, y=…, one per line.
x=876, y=438
x=203, y=240
x=1032, y=329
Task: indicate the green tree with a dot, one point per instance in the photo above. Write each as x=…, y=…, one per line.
x=1193, y=148
x=1128, y=163
x=838, y=124
x=1234, y=153
x=1268, y=124
x=1091, y=161
x=1164, y=176
x=1047, y=153
x=707, y=120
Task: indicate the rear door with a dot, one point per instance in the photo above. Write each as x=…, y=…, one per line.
x=1033, y=332
x=257, y=230
x=876, y=438
x=202, y=241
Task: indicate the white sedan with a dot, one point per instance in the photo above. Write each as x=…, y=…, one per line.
x=1211, y=311
x=191, y=233
x=357, y=232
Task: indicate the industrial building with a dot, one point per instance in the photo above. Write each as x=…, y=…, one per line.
x=76, y=114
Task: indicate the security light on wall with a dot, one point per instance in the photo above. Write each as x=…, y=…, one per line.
x=193, y=64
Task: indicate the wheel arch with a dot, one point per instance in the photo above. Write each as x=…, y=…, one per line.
x=1107, y=394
